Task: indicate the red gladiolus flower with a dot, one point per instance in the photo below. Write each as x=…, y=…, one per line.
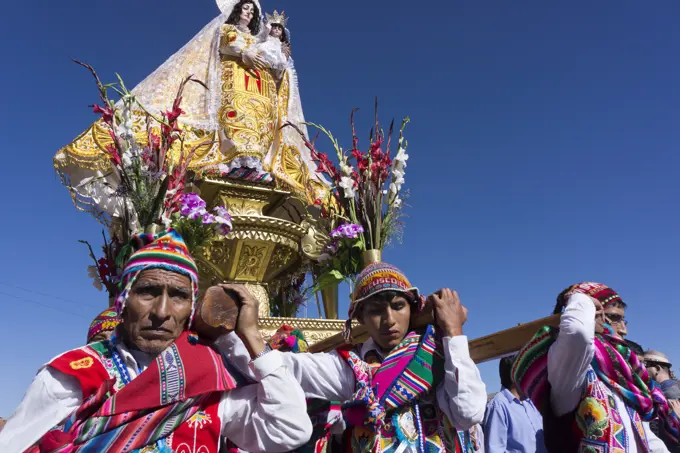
x=361, y=158
x=113, y=155
x=155, y=141
x=104, y=269
x=106, y=113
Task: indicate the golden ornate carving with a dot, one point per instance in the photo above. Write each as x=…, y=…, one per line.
x=315, y=238
x=315, y=330
x=280, y=258
x=259, y=248
x=250, y=262
x=262, y=295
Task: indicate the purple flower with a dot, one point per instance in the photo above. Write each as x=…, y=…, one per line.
x=221, y=211
x=192, y=206
x=223, y=229
x=208, y=218
x=347, y=230
x=223, y=224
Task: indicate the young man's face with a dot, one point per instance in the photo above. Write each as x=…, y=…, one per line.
x=616, y=317
x=387, y=322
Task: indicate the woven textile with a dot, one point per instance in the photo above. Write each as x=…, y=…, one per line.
x=151, y=407
x=615, y=365
x=395, y=402
x=105, y=321
x=603, y=293
x=289, y=339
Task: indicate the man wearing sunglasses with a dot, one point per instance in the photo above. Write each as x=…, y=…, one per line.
x=615, y=314
x=594, y=393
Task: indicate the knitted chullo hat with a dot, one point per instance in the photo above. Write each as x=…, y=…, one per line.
x=289, y=339
x=603, y=293
x=165, y=250
x=374, y=279
x=104, y=322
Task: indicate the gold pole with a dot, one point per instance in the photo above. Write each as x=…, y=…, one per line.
x=372, y=256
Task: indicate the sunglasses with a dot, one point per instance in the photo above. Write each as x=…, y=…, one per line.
x=616, y=319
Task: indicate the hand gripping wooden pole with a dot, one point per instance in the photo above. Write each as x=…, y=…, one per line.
x=489, y=347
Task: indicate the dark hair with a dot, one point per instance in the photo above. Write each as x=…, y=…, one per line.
x=505, y=371
x=384, y=296
x=561, y=301
x=284, y=35
x=234, y=17
x=636, y=348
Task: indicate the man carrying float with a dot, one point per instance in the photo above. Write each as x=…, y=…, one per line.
x=155, y=386
x=403, y=390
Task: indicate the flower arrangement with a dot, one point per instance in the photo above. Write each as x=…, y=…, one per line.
x=149, y=184
x=151, y=188
x=365, y=205
x=290, y=297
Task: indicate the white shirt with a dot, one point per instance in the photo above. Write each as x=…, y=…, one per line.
x=569, y=360
x=327, y=376
x=266, y=417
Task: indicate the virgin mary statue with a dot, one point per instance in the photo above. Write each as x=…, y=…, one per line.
x=236, y=121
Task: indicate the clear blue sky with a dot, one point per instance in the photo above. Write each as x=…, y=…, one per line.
x=544, y=146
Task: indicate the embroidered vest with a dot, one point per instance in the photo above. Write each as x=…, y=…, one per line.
x=597, y=423
x=94, y=364
x=395, y=402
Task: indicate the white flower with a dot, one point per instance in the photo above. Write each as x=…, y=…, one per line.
x=398, y=176
x=93, y=273
x=127, y=159
x=401, y=156
x=397, y=202
x=346, y=169
x=393, y=188
x=347, y=185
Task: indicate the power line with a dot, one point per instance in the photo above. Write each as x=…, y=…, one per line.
x=44, y=305
x=70, y=301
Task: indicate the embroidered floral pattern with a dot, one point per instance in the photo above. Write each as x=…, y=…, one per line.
x=591, y=418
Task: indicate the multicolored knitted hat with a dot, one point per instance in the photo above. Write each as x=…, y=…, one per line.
x=165, y=250
x=374, y=279
x=603, y=293
x=289, y=339
x=106, y=321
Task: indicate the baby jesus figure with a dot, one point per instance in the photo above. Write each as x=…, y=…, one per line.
x=275, y=49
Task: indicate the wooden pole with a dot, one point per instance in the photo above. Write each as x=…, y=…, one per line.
x=482, y=349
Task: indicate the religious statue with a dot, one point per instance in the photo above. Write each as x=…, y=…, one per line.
x=233, y=120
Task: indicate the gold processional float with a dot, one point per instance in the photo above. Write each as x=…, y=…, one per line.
x=214, y=143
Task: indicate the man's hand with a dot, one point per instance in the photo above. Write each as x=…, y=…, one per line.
x=449, y=313
x=246, y=324
x=600, y=319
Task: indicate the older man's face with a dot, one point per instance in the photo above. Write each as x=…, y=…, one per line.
x=157, y=310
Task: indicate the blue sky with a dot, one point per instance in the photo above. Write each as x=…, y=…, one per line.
x=544, y=148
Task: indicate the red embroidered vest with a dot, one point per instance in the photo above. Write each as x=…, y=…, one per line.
x=91, y=367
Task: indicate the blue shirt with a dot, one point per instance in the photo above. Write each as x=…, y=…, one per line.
x=511, y=425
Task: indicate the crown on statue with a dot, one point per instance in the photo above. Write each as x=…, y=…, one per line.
x=276, y=18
